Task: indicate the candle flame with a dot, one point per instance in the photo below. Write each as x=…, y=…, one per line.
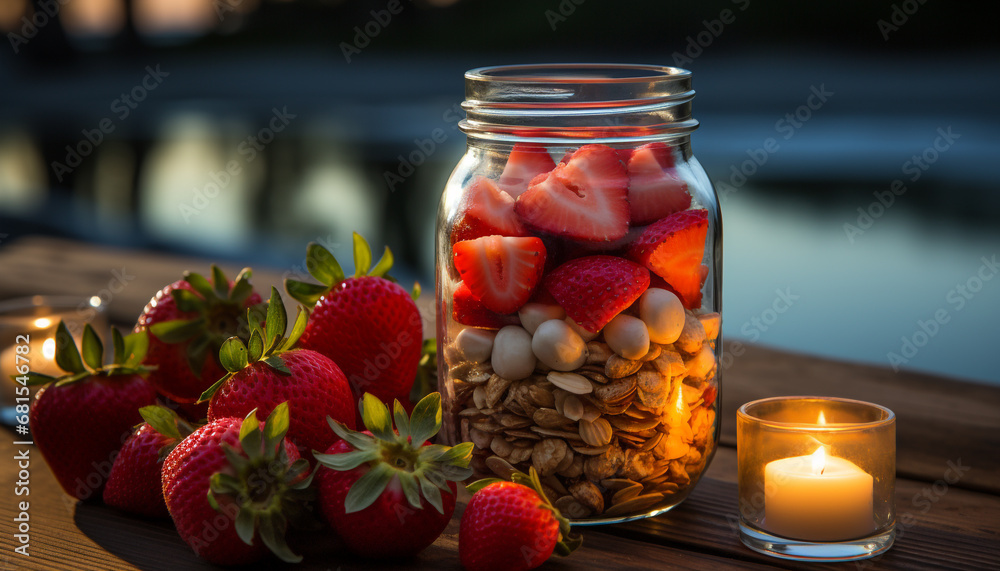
x=43, y=322
x=819, y=460
x=821, y=419
x=49, y=349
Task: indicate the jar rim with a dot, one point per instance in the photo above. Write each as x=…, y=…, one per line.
x=886, y=417
x=555, y=102
x=554, y=73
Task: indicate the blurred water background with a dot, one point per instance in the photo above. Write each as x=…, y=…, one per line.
x=242, y=129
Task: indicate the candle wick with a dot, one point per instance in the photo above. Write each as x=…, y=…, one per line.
x=823, y=469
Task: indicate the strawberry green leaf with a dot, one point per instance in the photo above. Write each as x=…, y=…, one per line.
x=298, y=328
x=376, y=417
x=433, y=494
x=200, y=284
x=220, y=281
x=69, y=379
x=362, y=256
x=211, y=390
x=233, y=355
x=346, y=460
x=35, y=379
x=255, y=347
x=323, y=266
x=246, y=525
x=415, y=294
x=177, y=330
x=250, y=423
x=276, y=426
x=295, y=471
x=458, y=455
x=136, y=345
x=250, y=437
x=118, y=343
x=454, y=473
x=272, y=530
x=162, y=419
x=67, y=355
x=411, y=489
x=425, y=421
x=384, y=264
x=187, y=300
x=369, y=487
x=93, y=349
x=356, y=439
x=305, y=292
x=278, y=364
x=224, y=484
x=402, y=420
x=277, y=320
x=241, y=287
x=480, y=484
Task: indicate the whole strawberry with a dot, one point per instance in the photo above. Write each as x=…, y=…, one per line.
x=510, y=526
x=81, y=419
x=232, y=488
x=134, y=483
x=188, y=321
x=381, y=490
x=368, y=324
x=269, y=372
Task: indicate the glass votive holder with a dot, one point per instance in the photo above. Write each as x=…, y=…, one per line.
x=30, y=323
x=817, y=477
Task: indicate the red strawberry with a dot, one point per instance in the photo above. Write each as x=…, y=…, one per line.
x=134, y=482
x=382, y=493
x=594, y=289
x=368, y=324
x=468, y=310
x=501, y=272
x=270, y=372
x=526, y=161
x=585, y=198
x=654, y=189
x=232, y=488
x=510, y=526
x=188, y=321
x=673, y=249
x=80, y=421
x=486, y=210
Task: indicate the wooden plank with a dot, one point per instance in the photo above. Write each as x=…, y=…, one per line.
x=937, y=420
x=959, y=529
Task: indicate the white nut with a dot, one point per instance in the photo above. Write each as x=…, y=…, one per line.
x=627, y=336
x=512, y=355
x=534, y=314
x=583, y=333
x=663, y=314
x=475, y=345
x=558, y=346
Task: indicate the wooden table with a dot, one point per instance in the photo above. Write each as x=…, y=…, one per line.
x=942, y=425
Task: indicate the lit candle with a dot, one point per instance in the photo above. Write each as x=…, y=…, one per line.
x=817, y=497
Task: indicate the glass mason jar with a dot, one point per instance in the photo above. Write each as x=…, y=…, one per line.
x=579, y=280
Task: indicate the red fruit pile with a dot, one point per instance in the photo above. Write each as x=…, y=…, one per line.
x=631, y=207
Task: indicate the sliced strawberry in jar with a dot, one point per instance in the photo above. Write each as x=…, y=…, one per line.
x=585, y=199
x=526, y=161
x=673, y=249
x=486, y=210
x=468, y=310
x=594, y=289
x=500, y=271
x=655, y=189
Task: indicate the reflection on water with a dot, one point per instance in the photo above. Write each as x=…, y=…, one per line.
x=920, y=291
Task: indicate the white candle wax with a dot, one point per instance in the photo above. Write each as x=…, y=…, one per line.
x=817, y=498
